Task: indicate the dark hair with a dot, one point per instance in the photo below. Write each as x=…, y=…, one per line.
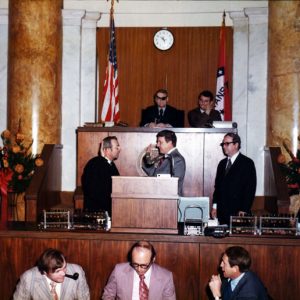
x=235, y=138
x=206, y=93
x=106, y=142
x=163, y=91
x=144, y=245
x=50, y=260
x=168, y=135
x=238, y=256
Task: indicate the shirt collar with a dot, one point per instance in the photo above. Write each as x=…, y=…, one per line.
x=57, y=285
x=109, y=161
x=234, y=282
x=147, y=276
x=233, y=157
x=171, y=151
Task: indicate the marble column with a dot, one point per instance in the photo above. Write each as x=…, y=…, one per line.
x=240, y=74
x=88, y=90
x=71, y=102
x=257, y=90
x=3, y=67
x=284, y=73
x=34, y=71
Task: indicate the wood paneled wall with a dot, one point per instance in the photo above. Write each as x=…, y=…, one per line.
x=191, y=259
x=186, y=69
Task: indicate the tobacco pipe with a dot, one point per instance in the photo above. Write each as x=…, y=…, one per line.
x=74, y=276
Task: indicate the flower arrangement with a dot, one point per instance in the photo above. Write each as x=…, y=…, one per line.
x=291, y=171
x=17, y=163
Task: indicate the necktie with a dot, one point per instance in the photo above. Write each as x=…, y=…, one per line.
x=143, y=289
x=229, y=164
x=161, y=113
x=53, y=291
x=161, y=161
x=227, y=292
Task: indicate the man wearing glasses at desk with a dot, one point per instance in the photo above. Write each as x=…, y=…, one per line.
x=235, y=182
x=160, y=115
x=140, y=278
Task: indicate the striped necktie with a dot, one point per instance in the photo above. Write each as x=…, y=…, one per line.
x=143, y=289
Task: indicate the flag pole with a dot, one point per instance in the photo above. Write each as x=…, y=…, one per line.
x=223, y=104
x=110, y=109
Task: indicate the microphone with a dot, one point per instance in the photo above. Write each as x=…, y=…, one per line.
x=74, y=276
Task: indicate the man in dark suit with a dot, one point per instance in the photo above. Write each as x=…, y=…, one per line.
x=235, y=182
x=96, y=179
x=48, y=280
x=140, y=278
x=239, y=282
x=160, y=114
x=170, y=161
x=205, y=114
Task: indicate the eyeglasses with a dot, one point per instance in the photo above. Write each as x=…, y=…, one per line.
x=226, y=144
x=161, y=98
x=142, y=266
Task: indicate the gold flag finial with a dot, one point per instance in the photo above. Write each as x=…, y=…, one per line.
x=112, y=6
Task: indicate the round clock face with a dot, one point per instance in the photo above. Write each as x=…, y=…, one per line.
x=163, y=39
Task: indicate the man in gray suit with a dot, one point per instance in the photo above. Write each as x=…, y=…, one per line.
x=140, y=278
x=169, y=160
x=52, y=278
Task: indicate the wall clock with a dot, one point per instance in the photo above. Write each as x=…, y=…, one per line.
x=163, y=39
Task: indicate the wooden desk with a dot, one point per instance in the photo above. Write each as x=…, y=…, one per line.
x=191, y=259
x=144, y=204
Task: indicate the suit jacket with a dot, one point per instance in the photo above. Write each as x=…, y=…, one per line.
x=33, y=286
x=170, y=116
x=235, y=191
x=173, y=165
x=201, y=119
x=249, y=287
x=97, y=184
x=120, y=284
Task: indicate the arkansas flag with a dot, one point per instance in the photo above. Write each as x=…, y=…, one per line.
x=110, y=109
x=223, y=104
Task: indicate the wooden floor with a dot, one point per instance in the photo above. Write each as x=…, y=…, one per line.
x=191, y=259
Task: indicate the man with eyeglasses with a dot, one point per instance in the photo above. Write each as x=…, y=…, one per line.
x=235, y=182
x=52, y=278
x=160, y=115
x=96, y=178
x=205, y=113
x=140, y=278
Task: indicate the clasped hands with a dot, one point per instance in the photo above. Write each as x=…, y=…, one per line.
x=215, y=285
x=159, y=125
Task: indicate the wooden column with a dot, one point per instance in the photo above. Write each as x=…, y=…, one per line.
x=284, y=69
x=34, y=69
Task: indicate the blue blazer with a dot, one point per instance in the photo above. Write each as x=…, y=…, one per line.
x=249, y=287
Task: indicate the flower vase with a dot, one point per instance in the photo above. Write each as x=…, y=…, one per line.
x=16, y=206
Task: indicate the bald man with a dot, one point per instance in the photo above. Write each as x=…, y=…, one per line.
x=140, y=276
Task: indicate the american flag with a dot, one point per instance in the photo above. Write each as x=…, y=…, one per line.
x=110, y=109
x=223, y=104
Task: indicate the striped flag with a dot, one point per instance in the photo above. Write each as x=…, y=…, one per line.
x=223, y=104
x=110, y=109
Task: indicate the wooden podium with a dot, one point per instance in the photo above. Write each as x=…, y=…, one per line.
x=144, y=204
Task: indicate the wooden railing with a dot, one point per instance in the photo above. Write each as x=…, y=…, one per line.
x=44, y=189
